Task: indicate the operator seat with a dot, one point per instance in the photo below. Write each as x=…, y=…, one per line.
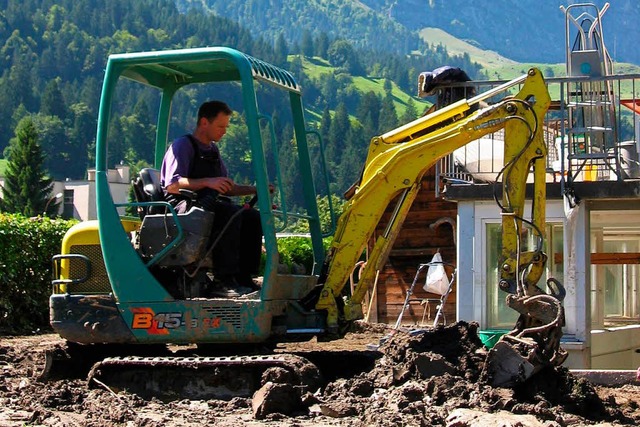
x=160, y=226
x=147, y=188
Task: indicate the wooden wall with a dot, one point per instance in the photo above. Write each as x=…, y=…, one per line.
x=429, y=227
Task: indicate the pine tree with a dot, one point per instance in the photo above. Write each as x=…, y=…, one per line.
x=388, y=115
x=410, y=113
x=26, y=187
x=306, y=45
x=52, y=102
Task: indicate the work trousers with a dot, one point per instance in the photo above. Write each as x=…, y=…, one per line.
x=239, y=247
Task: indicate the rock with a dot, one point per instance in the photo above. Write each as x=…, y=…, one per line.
x=337, y=409
x=275, y=398
x=277, y=375
x=475, y=418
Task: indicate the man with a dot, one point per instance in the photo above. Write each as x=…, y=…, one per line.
x=193, y=162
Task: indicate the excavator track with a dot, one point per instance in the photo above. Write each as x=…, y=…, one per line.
x=170, y=378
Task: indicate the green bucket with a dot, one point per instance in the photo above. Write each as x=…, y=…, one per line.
x=490, y=337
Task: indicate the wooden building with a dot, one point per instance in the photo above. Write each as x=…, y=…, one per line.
x=429, y=228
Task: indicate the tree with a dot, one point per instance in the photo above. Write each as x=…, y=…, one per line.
x=369, y=111
x=410, y=113
x=322, y=45
x=306, y=45
x=388, y=115
x=281, y=50
x=338, y=134
x=26, y=187
x=52, y=102
x=342, y=54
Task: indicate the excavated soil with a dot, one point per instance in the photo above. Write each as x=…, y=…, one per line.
x=424, y=379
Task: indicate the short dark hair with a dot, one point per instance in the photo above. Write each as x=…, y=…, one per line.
x=211, y=109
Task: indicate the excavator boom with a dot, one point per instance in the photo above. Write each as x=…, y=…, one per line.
x=395, y=165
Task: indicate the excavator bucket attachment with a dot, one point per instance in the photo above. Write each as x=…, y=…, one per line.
x=532, y=345
x=509, y=363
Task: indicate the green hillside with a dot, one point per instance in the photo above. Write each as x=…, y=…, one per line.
x=314, y=68
x=455, y=46
x=497, y=67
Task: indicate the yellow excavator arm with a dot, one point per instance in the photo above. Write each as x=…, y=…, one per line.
x=397, y=161
x=394, y=168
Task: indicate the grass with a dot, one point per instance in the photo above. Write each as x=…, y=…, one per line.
x=456, y=46
x=3, y=166
x=315, y=67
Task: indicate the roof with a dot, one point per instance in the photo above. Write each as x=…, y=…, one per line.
x=200, y=65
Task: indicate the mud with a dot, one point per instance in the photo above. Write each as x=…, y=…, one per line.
x=427, y=379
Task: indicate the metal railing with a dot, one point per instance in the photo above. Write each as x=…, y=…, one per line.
x=592, y=133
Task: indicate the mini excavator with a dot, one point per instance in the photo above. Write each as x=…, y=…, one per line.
x=136, y=283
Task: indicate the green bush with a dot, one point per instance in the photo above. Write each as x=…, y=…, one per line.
x=298, y=251
x=26, y=248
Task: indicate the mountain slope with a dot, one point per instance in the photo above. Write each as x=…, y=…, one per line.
x=455, y=46
x=363, y=26
x=523, y=30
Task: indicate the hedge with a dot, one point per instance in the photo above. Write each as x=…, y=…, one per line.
x=26, y=248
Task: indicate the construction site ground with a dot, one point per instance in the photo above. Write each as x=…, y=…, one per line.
x=429, y=379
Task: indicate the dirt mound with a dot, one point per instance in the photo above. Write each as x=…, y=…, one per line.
x=425, y=376
x=419, y=378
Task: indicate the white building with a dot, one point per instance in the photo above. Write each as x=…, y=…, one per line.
x=79, y=196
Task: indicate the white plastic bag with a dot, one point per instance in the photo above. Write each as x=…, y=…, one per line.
x=437, y=281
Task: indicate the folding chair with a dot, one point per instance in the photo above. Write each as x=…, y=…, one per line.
x=443, y=298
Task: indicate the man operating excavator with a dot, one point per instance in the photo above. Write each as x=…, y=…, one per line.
x=193, y=162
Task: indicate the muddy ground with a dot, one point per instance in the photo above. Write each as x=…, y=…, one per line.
x=429, y=379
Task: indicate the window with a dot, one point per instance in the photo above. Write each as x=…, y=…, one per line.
x=499, y=315
x=67, y=207
x=614, y=277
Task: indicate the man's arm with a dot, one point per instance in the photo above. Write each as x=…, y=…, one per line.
x=222, y=185
x=241, y=190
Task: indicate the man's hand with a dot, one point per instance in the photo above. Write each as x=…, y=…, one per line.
x=221, y=184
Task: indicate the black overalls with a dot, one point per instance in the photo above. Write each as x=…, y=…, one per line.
x=239, y=249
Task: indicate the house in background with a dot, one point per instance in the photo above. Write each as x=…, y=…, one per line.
x=79, y=196
x=593, y=209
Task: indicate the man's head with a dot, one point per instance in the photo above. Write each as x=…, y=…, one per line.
x=213, y=120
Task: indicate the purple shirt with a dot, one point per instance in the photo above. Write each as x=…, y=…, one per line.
x=179, y=157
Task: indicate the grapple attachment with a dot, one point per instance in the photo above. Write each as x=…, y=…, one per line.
x=532, y=345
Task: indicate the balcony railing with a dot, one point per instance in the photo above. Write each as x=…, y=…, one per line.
x=592, y=132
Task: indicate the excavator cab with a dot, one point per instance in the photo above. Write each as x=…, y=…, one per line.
x=142, y=279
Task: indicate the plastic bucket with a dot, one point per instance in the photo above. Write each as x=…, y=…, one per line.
x=490, y=337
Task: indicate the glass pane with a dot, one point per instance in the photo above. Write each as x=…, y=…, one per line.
x=612, y=290
x=499, y=315
x=615, y=285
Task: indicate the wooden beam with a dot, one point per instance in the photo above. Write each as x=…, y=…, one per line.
x=611, y=258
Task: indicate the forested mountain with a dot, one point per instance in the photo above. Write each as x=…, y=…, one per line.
x=52, y=59
x=349, y=19
x=522, y=30
x=53, y=54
